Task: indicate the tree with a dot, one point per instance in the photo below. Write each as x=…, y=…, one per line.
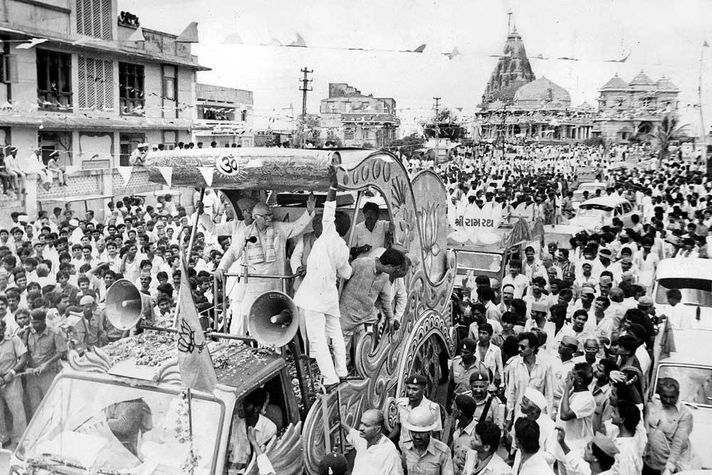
x=445, y=126
x=668, y=130
x=408, y=145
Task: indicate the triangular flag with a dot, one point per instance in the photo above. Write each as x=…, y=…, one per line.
x=207, y=173
x=33, y=42
x=419, y=49
x=194, y=362
x=452, y=53
x=190, y=34
x=125, y=173
x=167, y=174
x=299, y=42
x=233, y=39
x=137, y=35
x=705, y=44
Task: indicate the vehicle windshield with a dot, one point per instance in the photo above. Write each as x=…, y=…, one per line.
x=694, y=291
x=478, y=261
x=597, y=211
x=103, y=427
x=695, y=382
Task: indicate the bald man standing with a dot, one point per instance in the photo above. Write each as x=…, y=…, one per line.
x=261, y=249
x=375, y=453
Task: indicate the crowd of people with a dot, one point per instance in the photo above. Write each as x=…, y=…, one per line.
x=14, y=170
x=553, y=363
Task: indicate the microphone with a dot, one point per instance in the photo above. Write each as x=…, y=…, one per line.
x=251, y=240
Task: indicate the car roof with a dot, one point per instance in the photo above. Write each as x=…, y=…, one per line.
x=611, y=201
x=684, y=267
x=595, y=184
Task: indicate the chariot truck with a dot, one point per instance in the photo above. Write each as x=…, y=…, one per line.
x=172, y=430
x=485, y=240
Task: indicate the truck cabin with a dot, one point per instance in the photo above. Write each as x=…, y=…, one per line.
x=133, y=415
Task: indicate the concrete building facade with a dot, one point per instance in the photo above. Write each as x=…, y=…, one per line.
x=224, y=115
x=357, y=120
x=84, y=80
x=634, y=109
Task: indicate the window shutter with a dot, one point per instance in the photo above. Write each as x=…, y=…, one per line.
x=9, y=68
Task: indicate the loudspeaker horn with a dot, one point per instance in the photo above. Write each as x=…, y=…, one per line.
x=125, y=304
x=273, y=319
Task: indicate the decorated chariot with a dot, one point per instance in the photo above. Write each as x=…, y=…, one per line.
x=68, y=434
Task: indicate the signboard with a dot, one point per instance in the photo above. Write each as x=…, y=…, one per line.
x=477, y=225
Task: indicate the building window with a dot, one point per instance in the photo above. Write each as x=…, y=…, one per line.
x=170, y=83
x=51, y=141
x=54, y=80
x=127, y=144
x=131, y=89
x=349, y=134
x=94, y=18
x=619, y=102
x=96, y=84
x=243, y=115
x=216, y=113
x=8, y=64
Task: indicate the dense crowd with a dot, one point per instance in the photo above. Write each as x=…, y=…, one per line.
x=553, y=363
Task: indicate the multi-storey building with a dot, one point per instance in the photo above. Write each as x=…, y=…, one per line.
x=81, y=78
x=224, y=115
x=357, y=120
x=627, y=110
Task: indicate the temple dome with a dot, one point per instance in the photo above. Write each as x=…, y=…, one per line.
x=642, y=79
x=541, y=93
x=615, y=83
x=665, y=84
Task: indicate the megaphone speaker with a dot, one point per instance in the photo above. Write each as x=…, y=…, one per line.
x=273, y=319
x=125, y=304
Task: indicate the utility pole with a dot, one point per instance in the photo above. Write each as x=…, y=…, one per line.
x=437, y=129
x=304, y=87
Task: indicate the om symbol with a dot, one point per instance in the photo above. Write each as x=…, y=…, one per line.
x=227, y=165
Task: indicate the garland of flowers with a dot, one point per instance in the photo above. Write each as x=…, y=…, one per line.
x=183, y=433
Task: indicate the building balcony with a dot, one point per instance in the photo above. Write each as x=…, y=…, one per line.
x=53, y=100
x=221, y=127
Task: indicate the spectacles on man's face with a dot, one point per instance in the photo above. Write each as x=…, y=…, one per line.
x=264, y=216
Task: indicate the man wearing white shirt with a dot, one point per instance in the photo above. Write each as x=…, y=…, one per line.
x=375, y=453
x=318, y=293
x=371, y=233
x=519, y=281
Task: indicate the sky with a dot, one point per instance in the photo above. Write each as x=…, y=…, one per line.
x=658, y=36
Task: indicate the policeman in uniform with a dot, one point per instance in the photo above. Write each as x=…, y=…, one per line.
x=424, y=454
x=462, y=367
x=415, y=398
x=488, y=406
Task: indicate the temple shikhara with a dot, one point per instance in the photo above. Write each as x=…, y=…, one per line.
x=518, y=106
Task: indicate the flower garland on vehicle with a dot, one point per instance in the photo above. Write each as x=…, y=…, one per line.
x=183, y=434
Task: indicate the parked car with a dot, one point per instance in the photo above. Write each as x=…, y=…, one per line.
x=690, y=367
x=591, y=187
x=693, y=278
x=598, y=212
x=689, y=326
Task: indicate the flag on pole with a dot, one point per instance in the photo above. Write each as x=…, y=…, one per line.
x=194, y=362
x=705, y=44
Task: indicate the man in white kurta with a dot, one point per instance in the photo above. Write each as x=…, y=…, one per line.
x=319, y=296
x=264, y=256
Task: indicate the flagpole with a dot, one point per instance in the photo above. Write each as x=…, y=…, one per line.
x=193, y=231
x=703, y=135
x=189, y=397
